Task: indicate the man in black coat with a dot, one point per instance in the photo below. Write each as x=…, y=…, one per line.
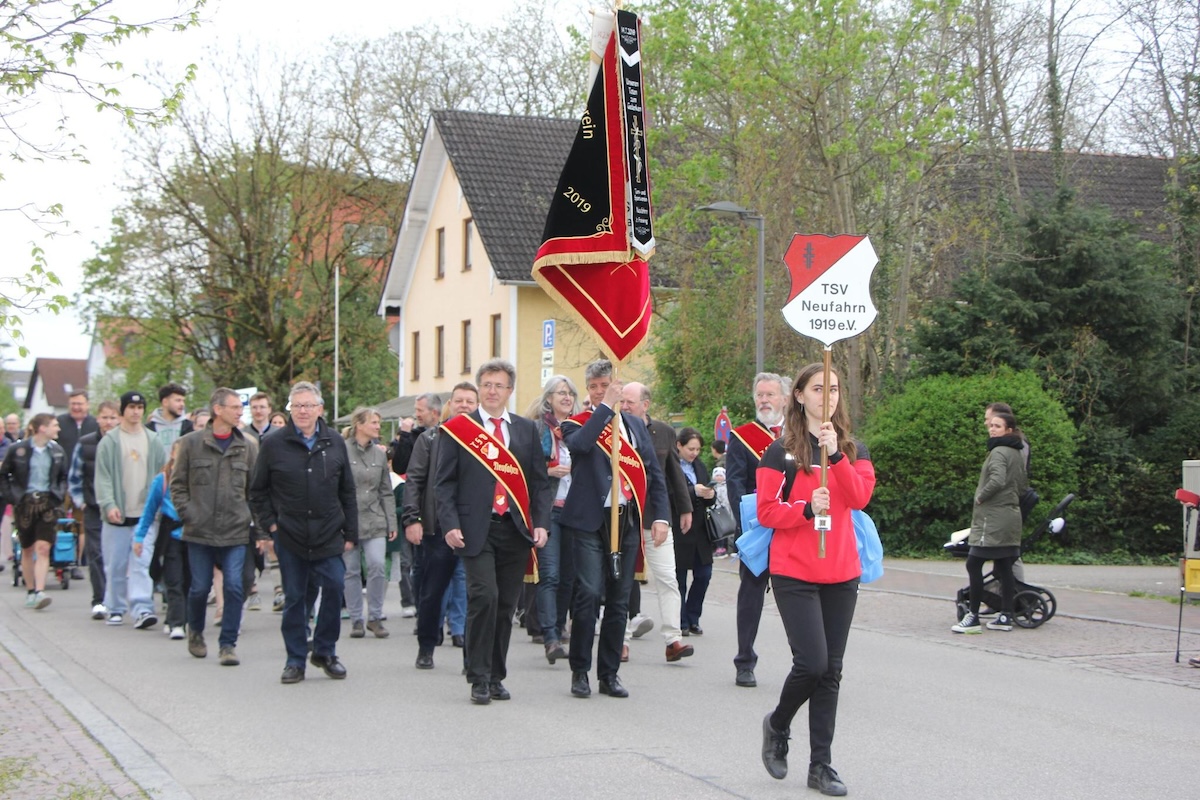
x=77, y=422
x=586, y=511
x=303, y=495
x=485, y=523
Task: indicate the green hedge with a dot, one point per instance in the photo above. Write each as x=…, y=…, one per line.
x=928, y=443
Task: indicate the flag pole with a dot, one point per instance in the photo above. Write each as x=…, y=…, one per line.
x=824, y=419
x=615, y=511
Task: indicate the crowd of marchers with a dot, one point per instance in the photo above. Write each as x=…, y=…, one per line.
x=486, y=519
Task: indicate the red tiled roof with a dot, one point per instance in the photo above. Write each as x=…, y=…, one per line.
x=59, y=377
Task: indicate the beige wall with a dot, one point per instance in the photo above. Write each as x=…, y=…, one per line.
x=473, y=295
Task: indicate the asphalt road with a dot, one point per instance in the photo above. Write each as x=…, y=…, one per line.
x=1079, y=708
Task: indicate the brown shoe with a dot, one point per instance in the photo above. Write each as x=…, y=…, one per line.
x=196, y=645
x=624, y=653
x=677, y=650
x=376, y=627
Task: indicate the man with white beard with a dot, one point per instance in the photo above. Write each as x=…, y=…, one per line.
x=746, y=446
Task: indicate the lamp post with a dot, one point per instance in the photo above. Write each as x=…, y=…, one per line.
x=745, y=214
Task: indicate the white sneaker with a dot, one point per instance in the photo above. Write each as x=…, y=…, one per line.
x=177, y=632
x=640, y=626
x=1001, y=623
x=40, y=601
x=968, y=624
x=116, y=619
x=99, y=611
x=408, y=611
x=145, y=620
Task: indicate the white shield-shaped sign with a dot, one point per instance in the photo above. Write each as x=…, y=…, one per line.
x=830, y=298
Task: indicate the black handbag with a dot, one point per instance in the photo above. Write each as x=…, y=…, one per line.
x=720, y=522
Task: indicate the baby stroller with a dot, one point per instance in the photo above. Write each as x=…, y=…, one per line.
x=62, y=553
x=1032, y=605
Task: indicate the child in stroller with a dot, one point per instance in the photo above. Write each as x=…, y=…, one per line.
x=1033, y=605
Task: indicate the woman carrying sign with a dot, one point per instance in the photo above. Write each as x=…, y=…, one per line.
x=815, y=593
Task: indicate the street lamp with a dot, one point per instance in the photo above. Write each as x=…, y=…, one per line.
x=745, y=214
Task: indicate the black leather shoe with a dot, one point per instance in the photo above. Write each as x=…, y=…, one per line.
x=292, y=675
x=579, y=684
x=424, y=660
x=824, y=779
x=745, y=677
x=498, y=692
x=333, y=668
x=612, y=687
x=555, y=651
x=480, y=694
x=457, y=640
x=775, y=750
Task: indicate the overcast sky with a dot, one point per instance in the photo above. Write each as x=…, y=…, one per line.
x=89, y=193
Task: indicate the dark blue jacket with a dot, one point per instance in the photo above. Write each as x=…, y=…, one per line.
x=309, y=495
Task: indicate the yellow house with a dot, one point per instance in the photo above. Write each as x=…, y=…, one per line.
x=460, y=275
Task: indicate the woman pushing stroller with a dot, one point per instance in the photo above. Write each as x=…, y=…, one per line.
x=996, y=522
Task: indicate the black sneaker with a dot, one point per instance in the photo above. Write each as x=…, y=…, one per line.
x=824, y=779
x=1001, y=623
x=775, y=750
x=968, y=624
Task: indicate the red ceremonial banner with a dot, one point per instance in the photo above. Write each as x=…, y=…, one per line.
x=756, y=438
x=598, y=231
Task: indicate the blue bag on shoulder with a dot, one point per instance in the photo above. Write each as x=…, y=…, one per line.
x=754, y=545
x=870, y=549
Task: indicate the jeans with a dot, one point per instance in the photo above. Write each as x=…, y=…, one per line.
x=201, y=560
x=454, y=601
x=660, y=567
x=92, y=540
x=594, y=584
x=374, y=549
x=817, y=619
x=117, y=552
x=494, y=580
x=693, y=599
x=299, y=576
x=556, y=579
x=437, y=565
x=407, y=596
x=752, y=593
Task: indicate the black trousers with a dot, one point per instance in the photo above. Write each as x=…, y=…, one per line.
x=1002, y=570
x=816, y=617
x=95, y=556
x=594, y=584
x=434, y=561
x=494, y=580
x=752, y=592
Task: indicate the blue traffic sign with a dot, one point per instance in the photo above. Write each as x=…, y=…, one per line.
x=548, y=334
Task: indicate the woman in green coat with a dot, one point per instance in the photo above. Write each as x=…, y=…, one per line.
x=996, y=522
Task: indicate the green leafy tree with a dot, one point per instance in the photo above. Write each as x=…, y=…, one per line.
x=928, y=442
x=51, y=50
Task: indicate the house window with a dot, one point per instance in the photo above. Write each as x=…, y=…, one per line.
x=468, y=236
x=466, y=347
x=415, y=355
x=441, y=252
x=495, y=336
x=439, y=350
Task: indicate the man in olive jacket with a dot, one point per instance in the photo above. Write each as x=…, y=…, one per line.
x=303, y=494
x=210, y=487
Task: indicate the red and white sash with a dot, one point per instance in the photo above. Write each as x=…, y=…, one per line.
x=633, y=469
x=495, y=457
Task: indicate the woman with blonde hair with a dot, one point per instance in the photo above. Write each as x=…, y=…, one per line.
x=376, y=523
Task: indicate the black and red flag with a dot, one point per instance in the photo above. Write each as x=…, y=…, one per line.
x=599, y=230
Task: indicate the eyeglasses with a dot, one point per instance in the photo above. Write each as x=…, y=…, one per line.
x=563, y=393
x=494, y=387
x=305, y=406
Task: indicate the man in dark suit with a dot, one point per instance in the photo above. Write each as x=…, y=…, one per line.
x=587, y=513
x=491, y=527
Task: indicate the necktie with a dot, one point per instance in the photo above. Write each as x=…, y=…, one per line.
x=776, y=430
x=499, y=497
x=626, y=492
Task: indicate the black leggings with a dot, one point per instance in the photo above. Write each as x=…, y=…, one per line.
x=1002, y=570
x=816, y=617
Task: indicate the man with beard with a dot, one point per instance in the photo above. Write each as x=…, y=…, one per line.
x=746, y=445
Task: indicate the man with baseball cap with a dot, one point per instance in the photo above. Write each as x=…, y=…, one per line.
x=127, y=459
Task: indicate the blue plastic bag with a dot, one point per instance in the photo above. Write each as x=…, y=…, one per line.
x=754, y=545
x=870, y=549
